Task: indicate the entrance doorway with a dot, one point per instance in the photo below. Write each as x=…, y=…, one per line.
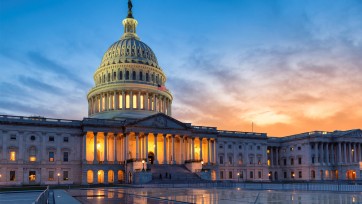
x=32, y=176
x=351, y=175
x=151, y=157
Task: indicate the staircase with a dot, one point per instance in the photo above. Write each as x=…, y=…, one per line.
x=175, y=174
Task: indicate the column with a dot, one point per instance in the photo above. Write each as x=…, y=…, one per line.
x=215, y=151
x=345, y=152
x=354, y=152
x=107, y=101
x=146, y=138
x=173, y=149
x=193, y=148
x=137, y=146
x=125, y=148
x=339, y=153
x=139, y=100
x=155, y=141
x=116, y=101
x=327, y=152
x=182, y=150
x=208, y=151
x=131, y=100
x=115, y=148
x=84, y=155
x=105, y=147
x=164, y=149
x=154, y=102
x=95, y=160
x=200, y=139
x=101, y=103
x=271, y=156
x=145, y=98
x=322, y=153
x=123, y=100
x=317, y=153
x=277, y=156
x=332, y=154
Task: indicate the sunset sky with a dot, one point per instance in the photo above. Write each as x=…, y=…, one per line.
x=288, y=66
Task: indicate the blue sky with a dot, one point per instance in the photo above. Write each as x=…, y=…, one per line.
x=289, y=65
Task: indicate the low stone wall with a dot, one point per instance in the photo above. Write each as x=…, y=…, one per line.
x=142, y=177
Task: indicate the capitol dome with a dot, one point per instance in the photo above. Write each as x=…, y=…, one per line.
x=129, y=50
x=129, y=83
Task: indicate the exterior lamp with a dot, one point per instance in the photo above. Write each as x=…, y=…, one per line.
x=58, y=177
x=98, y=146
x=202, y=165
x=238, y=176
x=143, y=165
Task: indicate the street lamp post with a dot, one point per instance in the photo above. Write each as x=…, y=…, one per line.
x=58, y=177
x=238, y=176
x=143, y=165
x=202, y=165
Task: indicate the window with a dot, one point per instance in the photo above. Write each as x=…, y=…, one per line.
x=133, y=75
x=66, y=139
x=221, y=175
x=239, y=146
x=51, y=176
x=313, y=174
x=51, y=156
x=313, y=158
x=291, y=161
x=220, y=147
x=300, y=174
x=147, y=77
x=259, y=161
x=285, y=162
x=65, y=156
x=12, y=176
x=299, y=148
x=120, y=76
x=32, y=175
x=229, y=146
x=114, y=76
x=285, y=175
x=241, y=175
x=127, y=75
x=12, y=155
x=65, y=176
x=300, y=160
x=258, y=147
x=240, y=159
x=32, y=154
x=268, y=162
x=230, y=160
x=12, y=137
x=251, y=147
x=109, y=77
x=292, y=149
x=251, y=160
x=141, y=76
x=230, y=174
x=221, y=160
x=251, y=174
x=292, y=174
x=32, y=138
x=259, y=174
x=51, y=138
x=312, y=147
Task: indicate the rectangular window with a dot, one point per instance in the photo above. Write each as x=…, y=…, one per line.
x=65, y=156
x=220, y=147
x=300, y=174
x=12, y=155
x=221, y=175
x=66, y=139
x=229, y=146
x=230, y=174
x=292, y=149
x=285, y=175
x=251, y=160
x=12, y=137
x=32, y=176
x=251, y=174
x=313, y=158
x=259, y=174
x=32, y=158
x=291, y=161
x=230, y=160
x=268, y=162
x=51, y=176
x=12, y=176
x=300, y=160
x=258, y=147
x=285, y=162
x=65, y=176
x=51, y=156
x=299, y=148
x=51, y=138
x=221, y=160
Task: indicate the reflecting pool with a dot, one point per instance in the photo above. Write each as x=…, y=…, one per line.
x=212, y=195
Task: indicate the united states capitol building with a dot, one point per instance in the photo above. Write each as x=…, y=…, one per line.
x=130, y=136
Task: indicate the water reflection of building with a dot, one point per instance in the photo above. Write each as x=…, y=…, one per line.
x=130, y=122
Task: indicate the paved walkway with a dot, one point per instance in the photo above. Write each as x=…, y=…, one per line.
x=61, y=196
x=19, y=197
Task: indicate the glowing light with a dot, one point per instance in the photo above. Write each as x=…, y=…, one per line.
x=98, y=146
x=32, y=158
x=58, y=174
x=12, y=156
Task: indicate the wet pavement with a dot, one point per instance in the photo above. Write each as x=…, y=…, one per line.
x=212, y=195
x=19, y=197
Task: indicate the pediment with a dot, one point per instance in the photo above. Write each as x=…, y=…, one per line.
x=160, y=120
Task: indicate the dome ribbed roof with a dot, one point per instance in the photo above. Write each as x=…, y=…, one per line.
x=129, y=50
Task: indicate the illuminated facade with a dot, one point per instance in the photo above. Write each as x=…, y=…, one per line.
x=130, y=130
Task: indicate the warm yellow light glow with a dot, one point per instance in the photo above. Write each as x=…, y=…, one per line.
x=127, y=101
x=99, y=173
x=143, y=161
x=268, y=151
x=268, y=174
x=238, y=174
x=58, y=174
x=352, y=150
x=32, y=158
x=134, y=104
x=268, y=162
x=12, y=156
x=98, y=146
x=202, y=162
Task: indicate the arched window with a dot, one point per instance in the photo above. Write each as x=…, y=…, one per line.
x=109, y=77
x=147, y=77
x=32, y=138
x=141, y=76
x=120, y=176
x=133, y=75
x=100, y=175
x=104, y=78
x=32, y=154
x=127, y=75
x=313, y=174
x=114, y=76
x=120, y=76
x=157, y=79
x=89, y=176
x=110, y=176
x=153, y=77
x=100, y=79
